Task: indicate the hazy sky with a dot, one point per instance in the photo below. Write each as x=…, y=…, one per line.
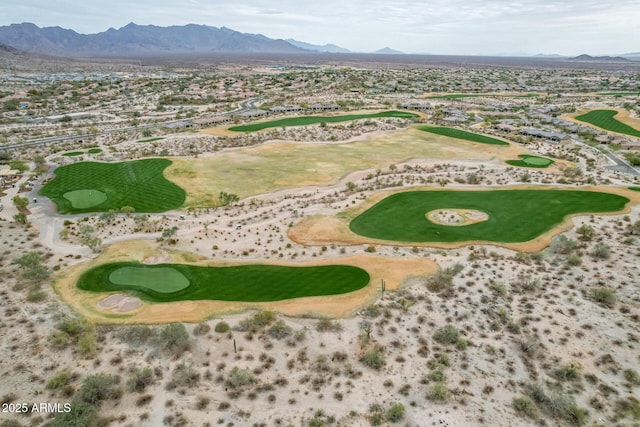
x=567, y=27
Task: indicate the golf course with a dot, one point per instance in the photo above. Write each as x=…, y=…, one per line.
x=246, y=283
x=528, y=161
x=605, y=119
x=98, y=187
x=513, y=215
x=460, y=134
x=312, y=120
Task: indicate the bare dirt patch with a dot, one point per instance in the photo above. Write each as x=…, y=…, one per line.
x=119, y=303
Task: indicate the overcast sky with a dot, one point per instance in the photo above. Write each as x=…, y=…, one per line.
x=568, y=27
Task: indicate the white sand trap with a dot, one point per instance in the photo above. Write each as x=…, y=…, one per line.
x=119, y=303
x=456, y=217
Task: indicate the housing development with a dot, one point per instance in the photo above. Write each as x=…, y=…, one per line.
x=319, y=240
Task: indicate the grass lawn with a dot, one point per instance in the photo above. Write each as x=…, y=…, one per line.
x=514, y=215
x=604, y=119
x=94, y=151
x=481, y=95
x=460, y=134
x=634, y=188
x=73, y=153
x=79, y=188
x=528, y=161
x=312, y=120
x=150, y=139
x=250, y=283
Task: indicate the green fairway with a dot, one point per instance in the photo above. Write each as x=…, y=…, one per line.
x=73, y=153
x=514, y=215
x=249, y=283
x=94, y=151
x=312, y=120
x=634, y=188
x=528, y=161
x=460, y=134
x=604, y=119
x=151, y=139
x=83, y=199
x=140, y=184
x=161, y=279
x=481, y=95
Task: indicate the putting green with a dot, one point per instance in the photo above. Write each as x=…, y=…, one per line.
x=84, y=199
x=162, y=279
x=528, y=161
x=513, y=215
x=247, y=283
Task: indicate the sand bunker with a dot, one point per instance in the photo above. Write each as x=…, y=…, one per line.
x=119, y=303
x=456, y=217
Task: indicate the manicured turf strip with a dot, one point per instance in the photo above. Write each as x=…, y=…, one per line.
x=634, y=188
x=73, y=153
x=605, y=119
x=460, y=134
x=151, y=139
x=514, y=215
x=249, y=283
x=312, y=120
x=94, y=150
x=530, y=161
x=139, y=184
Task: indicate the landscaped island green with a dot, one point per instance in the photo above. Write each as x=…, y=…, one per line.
x=312, y=120
x=528, y=161
x=513, y=215
x=98, y=187
x=605, y=119
x=461, y=134
x=248, y=283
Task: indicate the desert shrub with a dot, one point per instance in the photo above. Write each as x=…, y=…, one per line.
x=556, y=403
x=59, y=380
x=632, y=376
x=438, y=392
x=524, y=406
x=99, y=387
x=140, y=378
x=222, y=327
x=447, y=334
x=135, y=335
x=374, y=358
x=562, y=245
x=569, y=372
x=184, y=375
x=395, y=413
x=240, y=377
x=629, y=407
x=444, y=278
x=602, y=251
x=525, y=283
x=279, y=330
x=586, y=232
x=201, y=329
x=257, y=321
x=174, y=339
x=328, y=325
x=437, y=375
x=574, y=259
x=603, y=295
x=81, y=414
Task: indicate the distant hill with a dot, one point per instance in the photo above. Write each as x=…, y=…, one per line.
x=133, y=39
x=9, y=49
x=332, y=48
x=589, y=58
x=388, y=51
x=548, y=55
